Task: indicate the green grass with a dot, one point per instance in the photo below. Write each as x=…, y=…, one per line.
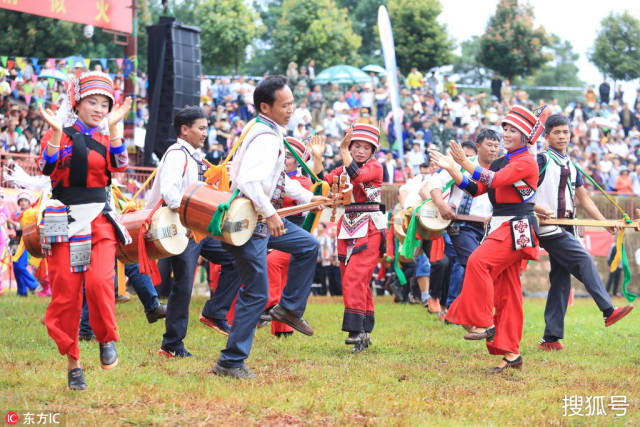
x=418, y=372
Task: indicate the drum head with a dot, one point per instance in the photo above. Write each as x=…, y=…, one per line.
x=166, y=219
x=430, y=222
x=239, y=222
x=398, y=231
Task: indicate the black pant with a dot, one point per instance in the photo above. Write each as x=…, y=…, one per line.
x=568, y=257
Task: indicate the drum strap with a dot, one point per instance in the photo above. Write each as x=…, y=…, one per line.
x=215, y=226
x=146, y=265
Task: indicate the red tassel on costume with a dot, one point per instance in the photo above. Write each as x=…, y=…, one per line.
x=437, y=250
x=146, y=265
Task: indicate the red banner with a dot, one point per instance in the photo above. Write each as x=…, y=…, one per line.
x=114, y=15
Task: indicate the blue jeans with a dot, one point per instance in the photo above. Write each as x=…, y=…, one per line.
x=251, y=264
x=464, y=243
x=24, y=279
x=184, y=267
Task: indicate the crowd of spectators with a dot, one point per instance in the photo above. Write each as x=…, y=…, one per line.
x=605, y=141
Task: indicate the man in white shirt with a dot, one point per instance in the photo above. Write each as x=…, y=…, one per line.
x=342, y=111
x=180, y=168
x=257, y=172
x=465, y=235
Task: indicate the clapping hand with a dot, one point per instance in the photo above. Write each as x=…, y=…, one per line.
x=346, y=141
x=457, y=152
x=49, y=116
x=119, y=112
x=317, y=145
x=444, y=162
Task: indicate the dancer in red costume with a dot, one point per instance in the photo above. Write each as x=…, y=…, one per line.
x=492, y=277
x=78, y=229
x=361, y=228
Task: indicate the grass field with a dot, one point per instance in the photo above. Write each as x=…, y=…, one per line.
x=418, y=372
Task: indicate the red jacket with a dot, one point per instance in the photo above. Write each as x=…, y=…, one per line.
x=88, y=168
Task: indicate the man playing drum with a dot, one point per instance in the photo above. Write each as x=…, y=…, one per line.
x=465, y=235
x=559, y=185
x=257, y=171
x=179, y=168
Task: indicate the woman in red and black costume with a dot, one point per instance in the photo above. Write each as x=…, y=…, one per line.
x=361, y=239
x=492, y=277
x=78, y=228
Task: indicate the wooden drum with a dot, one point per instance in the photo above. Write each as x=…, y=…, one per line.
x=166, y=236
x=431, y=225
x=31, y=238
x=200, y=202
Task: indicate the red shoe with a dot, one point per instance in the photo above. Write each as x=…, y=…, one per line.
x=617, y=314
x=550, y=346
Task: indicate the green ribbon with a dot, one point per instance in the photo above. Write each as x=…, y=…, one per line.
x=410, y=241
x=627, y=277
x=215, y=226
x=396, y=264
x=311, y=216
x=301, y=162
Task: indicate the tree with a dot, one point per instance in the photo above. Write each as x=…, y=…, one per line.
x=228, y=27
x=421, y=41
x=364, y=17
x=315, y=30
x=562, y=71
x=511, y=46
x=466, y=65
x=616, y=51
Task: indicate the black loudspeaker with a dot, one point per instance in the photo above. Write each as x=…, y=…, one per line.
x=173, y=61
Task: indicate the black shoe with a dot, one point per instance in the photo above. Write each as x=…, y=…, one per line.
x=513, y=364
x=366, y=340
x=75, y=379
x=265, y=319
x=488, y=334
x=160, y=312
x=86, y=337
x=108, y=355
x=288, y=317
x=353, y=338
x=241, y=373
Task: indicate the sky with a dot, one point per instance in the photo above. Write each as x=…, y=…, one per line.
x=573, y=20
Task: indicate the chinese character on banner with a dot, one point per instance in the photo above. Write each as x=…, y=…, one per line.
x=572, y=405
x=595, y=406
x=42, y=418
x=57, y=6
x=619, y=404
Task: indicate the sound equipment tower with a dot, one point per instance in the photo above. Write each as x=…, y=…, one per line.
x=174, y=70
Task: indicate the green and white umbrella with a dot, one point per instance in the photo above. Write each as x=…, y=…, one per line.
x=341, y=74
x=374, y=68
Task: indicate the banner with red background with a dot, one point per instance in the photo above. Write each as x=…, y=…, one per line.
x=115, y=15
